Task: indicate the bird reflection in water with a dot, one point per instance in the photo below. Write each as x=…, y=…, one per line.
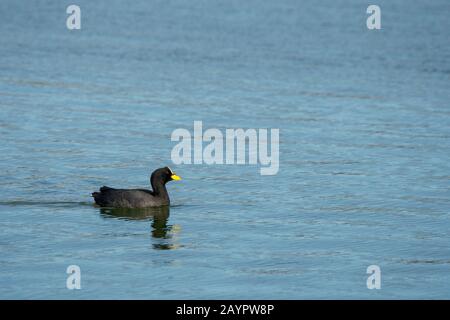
x=163, y=233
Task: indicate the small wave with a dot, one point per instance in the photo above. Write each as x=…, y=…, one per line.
x=44, y=203
x=177, y=205
x=425, y=261
x=65, y=203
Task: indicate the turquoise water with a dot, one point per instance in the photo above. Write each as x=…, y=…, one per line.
x=364, y=123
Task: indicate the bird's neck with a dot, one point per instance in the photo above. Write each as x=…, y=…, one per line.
x=159, y=189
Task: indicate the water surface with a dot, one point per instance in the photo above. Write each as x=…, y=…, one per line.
x=364, y=174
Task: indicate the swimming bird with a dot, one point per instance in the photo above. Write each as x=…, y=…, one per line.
x=138, y=198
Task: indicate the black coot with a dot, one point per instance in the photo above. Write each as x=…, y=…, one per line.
x=138, y=198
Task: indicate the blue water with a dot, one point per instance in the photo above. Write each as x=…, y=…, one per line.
x=364, y=121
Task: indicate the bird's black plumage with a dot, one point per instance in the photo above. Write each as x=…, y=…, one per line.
x=138, y=198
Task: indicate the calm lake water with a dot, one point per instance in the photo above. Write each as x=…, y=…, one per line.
x=364, y=121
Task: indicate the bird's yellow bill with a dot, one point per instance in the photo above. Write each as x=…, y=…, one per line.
x=175, y=177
